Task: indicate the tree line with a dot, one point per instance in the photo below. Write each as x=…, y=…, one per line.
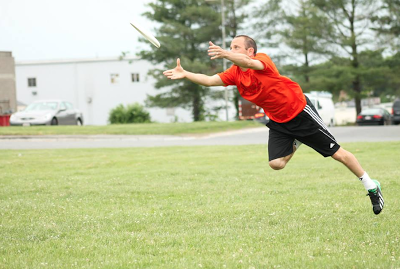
x=324, y=45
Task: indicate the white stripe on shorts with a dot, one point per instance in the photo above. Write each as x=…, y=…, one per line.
x=318, y=119
x=328, y=134
x=315, y=116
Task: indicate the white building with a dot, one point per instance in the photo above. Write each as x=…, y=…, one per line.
x=95, y=86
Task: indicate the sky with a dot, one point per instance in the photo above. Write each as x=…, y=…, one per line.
x=73, y=29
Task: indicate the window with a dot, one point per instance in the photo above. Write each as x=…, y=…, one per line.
x=31, y=82
x=135, y=77
x=62, y=106
x=114, y=78
x=69, y=105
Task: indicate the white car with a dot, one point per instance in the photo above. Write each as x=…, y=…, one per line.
x=322, y=101
x=47, y=112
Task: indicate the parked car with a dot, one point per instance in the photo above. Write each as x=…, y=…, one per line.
x=323, y=103
x=48, y=112
x=374, y=116
x=261, y=117
x=396, y=112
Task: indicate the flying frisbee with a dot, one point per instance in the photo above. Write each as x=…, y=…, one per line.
x=147, y=35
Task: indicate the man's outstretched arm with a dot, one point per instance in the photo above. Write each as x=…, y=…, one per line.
x=239, y=59
x=179, y=73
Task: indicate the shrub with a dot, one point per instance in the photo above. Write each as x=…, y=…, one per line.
x=133, y=113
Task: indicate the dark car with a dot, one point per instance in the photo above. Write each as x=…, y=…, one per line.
x=374, y=116
x=396, y=112
x=261, y=117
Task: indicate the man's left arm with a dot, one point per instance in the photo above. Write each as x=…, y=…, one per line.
x=238, y=59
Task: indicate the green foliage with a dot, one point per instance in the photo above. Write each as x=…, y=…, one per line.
x=133, y=113
x=269, y=21
x=388, y=23
x=186, y=26
x=300, y=29
x=337, y=35
x=378, y=75
x=337, y=30
x=236, y=15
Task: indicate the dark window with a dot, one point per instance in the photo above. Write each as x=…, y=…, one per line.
x=135, y=77
x=31, y=82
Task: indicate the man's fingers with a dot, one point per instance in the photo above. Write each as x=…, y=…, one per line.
x=169, y=75
x=178, y=62
x=166, y=72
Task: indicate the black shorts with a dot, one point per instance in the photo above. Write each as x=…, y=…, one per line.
x=307, y=127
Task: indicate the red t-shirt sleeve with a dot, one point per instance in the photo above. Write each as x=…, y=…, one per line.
x=265, y=60
x=228, y=76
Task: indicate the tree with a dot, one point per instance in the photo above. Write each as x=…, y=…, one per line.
x=388, y=22
x=235, y=18
x=337, y=30
x=303, y=34
x=350, y=33
x=298, y=29
x=236, y=15
x=379, y=75
x=186, y=26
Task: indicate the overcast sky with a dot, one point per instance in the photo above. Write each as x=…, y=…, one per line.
x=54, y=29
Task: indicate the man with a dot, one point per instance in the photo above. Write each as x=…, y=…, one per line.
x=293, y=118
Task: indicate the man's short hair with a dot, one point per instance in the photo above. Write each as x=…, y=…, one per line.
x=249, y=42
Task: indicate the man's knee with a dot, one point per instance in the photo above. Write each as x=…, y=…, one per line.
x=342, y=155
x=277, y=164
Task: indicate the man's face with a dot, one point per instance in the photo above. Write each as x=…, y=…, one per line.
x=238, y=46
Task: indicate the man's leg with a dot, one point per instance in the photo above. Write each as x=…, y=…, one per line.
x=280, y=163
x=281, y=148
x=372, y=186
x=350, y=161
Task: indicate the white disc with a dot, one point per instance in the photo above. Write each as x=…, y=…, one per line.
x=147, y=35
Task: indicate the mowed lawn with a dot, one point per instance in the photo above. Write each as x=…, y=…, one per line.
x=195, y=207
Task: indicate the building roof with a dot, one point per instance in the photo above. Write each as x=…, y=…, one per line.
x=5, y=54
x=74, y=61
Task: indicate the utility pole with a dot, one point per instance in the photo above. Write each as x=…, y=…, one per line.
x=224, y=47
x=224, y=60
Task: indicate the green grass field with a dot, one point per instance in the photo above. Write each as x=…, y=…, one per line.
x=133, y=129
x=195, y=207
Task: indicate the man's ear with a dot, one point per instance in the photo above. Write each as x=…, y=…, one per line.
x=250, y=52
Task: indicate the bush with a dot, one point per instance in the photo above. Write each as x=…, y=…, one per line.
x=134, y=113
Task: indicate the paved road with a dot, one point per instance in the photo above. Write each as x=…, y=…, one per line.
x=242, y=137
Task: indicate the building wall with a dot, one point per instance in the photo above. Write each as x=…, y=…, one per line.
x=88, y=85
x=8, y=98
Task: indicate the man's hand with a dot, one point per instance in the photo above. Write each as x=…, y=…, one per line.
x=177, y=73
x=216, y=52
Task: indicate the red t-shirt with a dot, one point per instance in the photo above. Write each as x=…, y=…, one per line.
x=281, y=98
